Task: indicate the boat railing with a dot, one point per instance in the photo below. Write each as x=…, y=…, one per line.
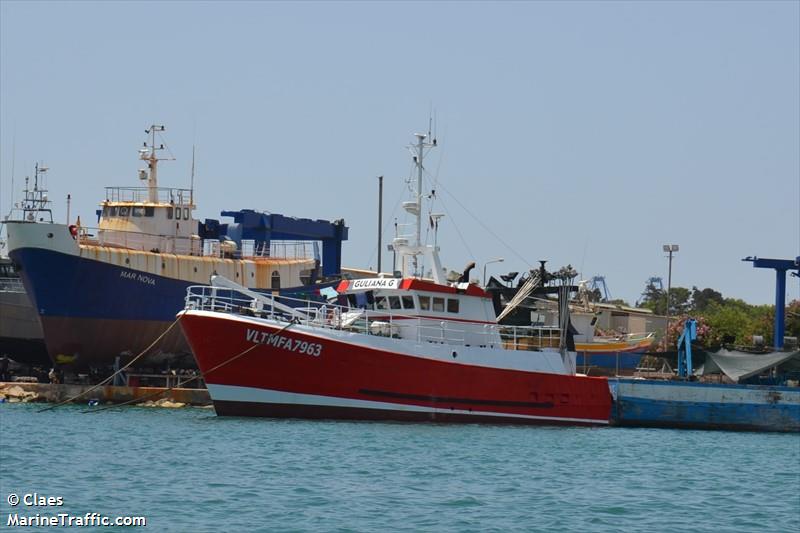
x=164, y=195
x=530, y=337
x=250, y=249
x=140, y=241
x=152, y=242
x=293, y=249
x=369, y=321
x=11, y=285
x=625, y=337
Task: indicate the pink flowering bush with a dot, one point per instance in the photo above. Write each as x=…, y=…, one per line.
x=706, y=336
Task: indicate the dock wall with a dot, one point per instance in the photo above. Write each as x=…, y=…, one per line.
x=54, y=393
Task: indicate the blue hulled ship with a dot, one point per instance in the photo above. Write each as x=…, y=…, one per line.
x=112, y=290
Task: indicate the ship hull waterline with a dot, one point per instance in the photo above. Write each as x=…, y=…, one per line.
x=310, y=374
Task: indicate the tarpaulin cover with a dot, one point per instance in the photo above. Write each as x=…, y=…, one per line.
x=742, y=365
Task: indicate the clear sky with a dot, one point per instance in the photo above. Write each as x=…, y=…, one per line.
x=589, y=133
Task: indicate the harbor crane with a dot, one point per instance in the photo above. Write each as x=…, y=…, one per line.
x=780, y=266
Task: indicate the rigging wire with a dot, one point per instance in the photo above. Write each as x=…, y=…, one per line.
x=463, y=241
x=165, y=145
x=484, y=226
x=109, y=378
x=168, y=389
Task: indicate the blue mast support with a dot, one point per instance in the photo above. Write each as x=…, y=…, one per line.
x=780, y=266
x=685, y=348
x=265, y=227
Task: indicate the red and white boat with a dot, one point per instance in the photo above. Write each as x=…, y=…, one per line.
x=400, y=348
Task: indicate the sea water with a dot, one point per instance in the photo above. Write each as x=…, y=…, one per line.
x=189, y=470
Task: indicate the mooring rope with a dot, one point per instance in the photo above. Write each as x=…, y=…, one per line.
x=112, y=376
x=168, y=389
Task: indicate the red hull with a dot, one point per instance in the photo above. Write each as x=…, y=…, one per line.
x=351, y=381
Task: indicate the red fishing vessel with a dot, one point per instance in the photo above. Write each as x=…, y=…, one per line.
x=390, y=348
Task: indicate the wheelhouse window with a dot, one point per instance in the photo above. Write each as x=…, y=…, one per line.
x=408, y=302
x=123, y=210
x=276, y=279
x=438, y=304
x=425, y=303
x=138, y=211
x=185, y=213
x=149, y=211
x=177, y=213
x=169, y=213
x=381, y=303
x=452, y=305
x=394, y=302
x=112, y=211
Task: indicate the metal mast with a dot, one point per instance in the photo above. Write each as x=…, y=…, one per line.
x=409, y=247
x=418, y=160
x=152, y=162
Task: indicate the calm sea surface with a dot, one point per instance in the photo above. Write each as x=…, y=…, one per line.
x=187, y=470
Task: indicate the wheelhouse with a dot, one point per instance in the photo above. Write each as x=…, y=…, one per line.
x=413, y=308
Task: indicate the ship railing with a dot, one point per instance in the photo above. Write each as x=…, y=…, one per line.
x=625, y=337
x=164, y=195
x=140, y=241
x=252, y=250
x=530, y=337
x=151, y=242
x=208, y=298
x=11, y=285
x=384, y=323
x=293, y=249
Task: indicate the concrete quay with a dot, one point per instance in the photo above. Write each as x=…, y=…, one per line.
x=55, y=393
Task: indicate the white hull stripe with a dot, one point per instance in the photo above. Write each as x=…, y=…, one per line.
x=232, y=393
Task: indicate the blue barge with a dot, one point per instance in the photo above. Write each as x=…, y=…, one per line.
x=684, y=404
x=702, y=405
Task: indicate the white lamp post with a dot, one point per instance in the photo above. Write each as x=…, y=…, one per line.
x=498, y=260
x=670, y=249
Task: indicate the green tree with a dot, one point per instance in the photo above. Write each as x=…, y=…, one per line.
x=793, y=319
x=680, y=300
x=654, y=299
x=701, y=299
x=730, y=324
